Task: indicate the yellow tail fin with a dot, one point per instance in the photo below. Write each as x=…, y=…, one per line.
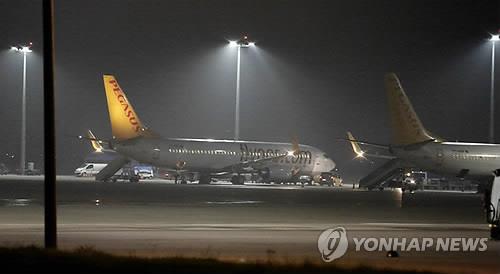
x=125, y=124
x=93, y=141
x=406, y=126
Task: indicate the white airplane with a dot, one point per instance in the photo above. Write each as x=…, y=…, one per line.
x=415, y=147
x=208, y=157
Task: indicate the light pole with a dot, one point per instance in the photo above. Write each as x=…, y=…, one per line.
x=24, y=50
x=242, y=43
x=493, y=40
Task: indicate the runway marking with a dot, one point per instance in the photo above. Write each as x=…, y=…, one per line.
x=233, y=202
x=15, y=202
x=250, y=226
x=424, y=224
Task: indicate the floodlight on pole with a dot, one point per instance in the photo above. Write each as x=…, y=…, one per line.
x=244, y=42
x=493, y=39
x=24, y=50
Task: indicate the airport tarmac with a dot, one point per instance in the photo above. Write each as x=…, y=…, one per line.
x=245, y=223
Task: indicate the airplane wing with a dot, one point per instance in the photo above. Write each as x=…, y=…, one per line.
x=92, y=139
x=96, y=144
x=355, y=144
x=379, y=156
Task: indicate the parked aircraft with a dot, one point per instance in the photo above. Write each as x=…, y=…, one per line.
x=209, y=157
x=414, y=146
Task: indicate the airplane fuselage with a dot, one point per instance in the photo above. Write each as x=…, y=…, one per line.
x=454, y=158
x=212, y=156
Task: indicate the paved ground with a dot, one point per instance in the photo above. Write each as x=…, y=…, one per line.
x=246, y=223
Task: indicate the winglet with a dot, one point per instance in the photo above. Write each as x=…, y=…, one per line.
x=93, y=141
x=355, y=146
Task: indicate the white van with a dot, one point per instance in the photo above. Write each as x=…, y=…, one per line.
x=89, y=169
x=145, y=174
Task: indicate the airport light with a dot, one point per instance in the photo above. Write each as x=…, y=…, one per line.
x=24, y=50
x=493, y=39
x=244, y=42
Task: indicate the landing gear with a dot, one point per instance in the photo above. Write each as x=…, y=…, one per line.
x=265, y=175
x=182, y=179
x=204, y=179
x=492, y=202
x=238, y=180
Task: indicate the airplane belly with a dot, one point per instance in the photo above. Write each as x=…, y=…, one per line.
x=464, y=167
x=210, y=163
x=205, y=162
x=481, y=169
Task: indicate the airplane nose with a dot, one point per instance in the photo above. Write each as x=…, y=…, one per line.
x=331, y=164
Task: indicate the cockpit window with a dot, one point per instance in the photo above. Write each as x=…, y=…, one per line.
x=325, y=155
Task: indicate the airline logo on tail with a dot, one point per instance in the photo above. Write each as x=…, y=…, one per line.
x=127, y=109
x=125, y=123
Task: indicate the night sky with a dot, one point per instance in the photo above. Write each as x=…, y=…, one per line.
x=316, y=73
